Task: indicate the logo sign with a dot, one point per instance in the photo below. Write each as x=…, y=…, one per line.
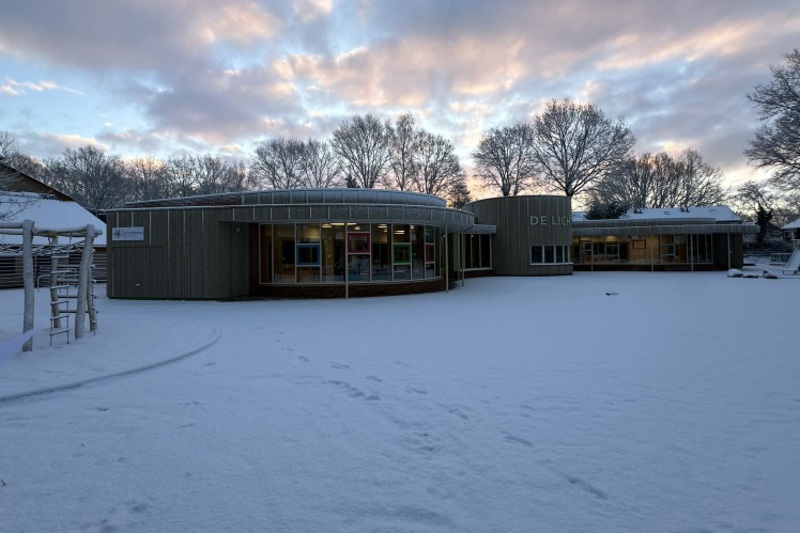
x=135, y=233
x=551, y=221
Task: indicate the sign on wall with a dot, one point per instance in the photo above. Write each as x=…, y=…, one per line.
x=135, y=233
x=551, y=221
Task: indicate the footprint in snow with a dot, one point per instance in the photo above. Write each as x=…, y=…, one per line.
x=354, y=392
x=588, y=487
x=456, y=411
x=519, y=440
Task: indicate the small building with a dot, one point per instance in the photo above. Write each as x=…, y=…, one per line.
x=693, y=238
x=25, y=198
x=791, y=231
x=298, y=242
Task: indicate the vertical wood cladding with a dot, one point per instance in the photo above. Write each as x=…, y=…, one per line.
x=523, y=222
x=185, y=254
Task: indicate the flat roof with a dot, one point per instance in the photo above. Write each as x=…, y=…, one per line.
x=717, y=213
x=586, y=229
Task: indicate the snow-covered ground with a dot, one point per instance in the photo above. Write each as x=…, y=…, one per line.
x=599, y=402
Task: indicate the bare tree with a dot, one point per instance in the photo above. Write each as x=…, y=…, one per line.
x=319, y=166
x=278, y=163
x=776, y=145
x=629, y=184
x=439, y=169
x=11, y=164
x=148, y=178
x=27, y=165
x=96, y=180
x=575, y=144
x=756, y=202
x=181, y=178
x=505, y=159
x=701, y=183
x=203, y=174
x=217, y=176
x=11, y=203
x=8, y=152
x=789, y=209
x=363, y=144
x=8, y=207
x=754, y=196
x=7, y=145
x=658, y=181
x=458, y=195
x=665, y=184
x=404, y=144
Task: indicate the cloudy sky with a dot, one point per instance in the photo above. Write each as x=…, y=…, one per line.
x=165, y=77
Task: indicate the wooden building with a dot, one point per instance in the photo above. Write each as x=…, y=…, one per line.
x=688, y=238
x=360, y=242
x=300, y=242
x=24, y=197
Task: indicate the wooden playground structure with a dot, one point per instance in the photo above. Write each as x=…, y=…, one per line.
x=68, y=284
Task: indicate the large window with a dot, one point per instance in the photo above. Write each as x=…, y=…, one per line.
x=644, y=249
x=265, y=244
x=314, y=253
x=701, y=249
x=381, y=261
x=333, y=252
x=358, y=252
x=308, y=253
x=430, y=252
x=284, y=253
x=478, y=252
x=401, y=251
x=549, y=255
x=418, y=251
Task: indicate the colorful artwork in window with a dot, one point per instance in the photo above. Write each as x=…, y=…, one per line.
x=401, y=254
x=358, y=243
x=308, y=255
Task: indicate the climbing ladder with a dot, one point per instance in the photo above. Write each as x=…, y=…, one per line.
x=64, y=290
x=60, y=295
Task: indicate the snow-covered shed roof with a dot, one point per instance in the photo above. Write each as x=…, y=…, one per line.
x=719, y=213
x=46, y=211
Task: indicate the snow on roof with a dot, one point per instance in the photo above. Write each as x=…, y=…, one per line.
x=792, y=225
x=720, y=213
x=46, y=212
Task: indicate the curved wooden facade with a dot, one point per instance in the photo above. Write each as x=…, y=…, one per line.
x=305, y=242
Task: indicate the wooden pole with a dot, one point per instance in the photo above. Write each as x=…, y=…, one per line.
x=346, y=263
x=27, y=281
x=83, y=284
x=463, y=257
x=89, y=242
x=446, y=261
